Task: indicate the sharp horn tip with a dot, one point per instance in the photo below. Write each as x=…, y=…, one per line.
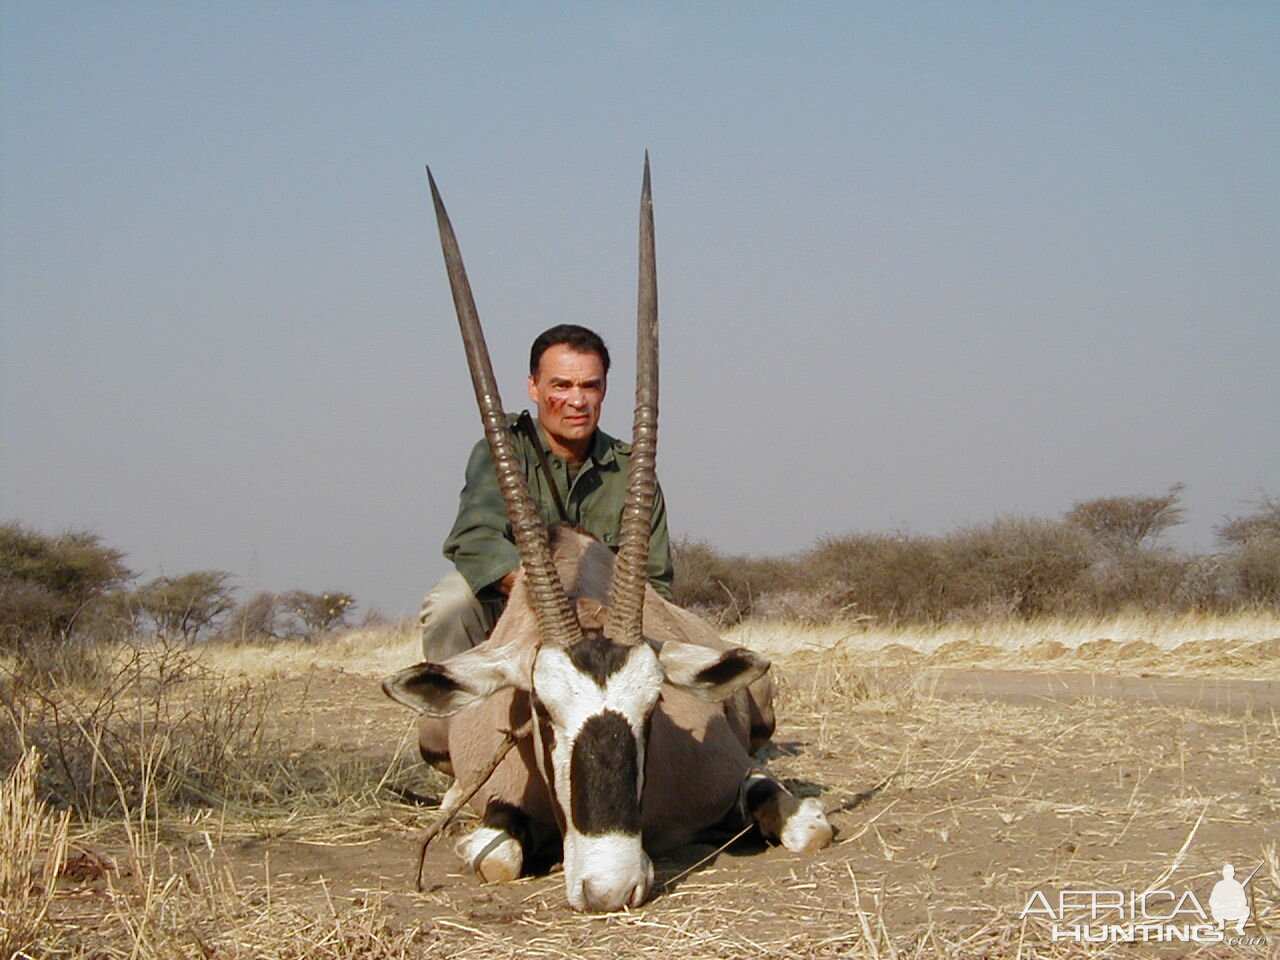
x=435, y=192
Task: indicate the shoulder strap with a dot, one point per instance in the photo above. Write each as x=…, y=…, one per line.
x=525, y=423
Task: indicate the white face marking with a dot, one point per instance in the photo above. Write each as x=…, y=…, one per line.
x=606, y=873
x=609, y=871
x=572, y=697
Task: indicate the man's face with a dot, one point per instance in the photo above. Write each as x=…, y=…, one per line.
x=568, y=389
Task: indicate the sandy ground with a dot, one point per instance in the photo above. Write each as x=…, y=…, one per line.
x=958, y=793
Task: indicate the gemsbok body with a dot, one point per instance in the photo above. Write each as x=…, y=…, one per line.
x=643, y=719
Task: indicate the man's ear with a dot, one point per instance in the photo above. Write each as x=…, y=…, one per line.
x=710, y=674
x=442, y=689
x=533, y=390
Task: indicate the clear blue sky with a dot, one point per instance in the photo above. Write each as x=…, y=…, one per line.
x=920, y=264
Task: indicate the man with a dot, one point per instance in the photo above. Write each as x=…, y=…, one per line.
x=577, y=474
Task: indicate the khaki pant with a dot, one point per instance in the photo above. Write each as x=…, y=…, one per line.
x=453, y=620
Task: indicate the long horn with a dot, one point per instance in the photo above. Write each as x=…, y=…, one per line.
x=556, y=621
x=631, y=570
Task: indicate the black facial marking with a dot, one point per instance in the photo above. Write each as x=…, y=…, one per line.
x=603, y=772
x=598, y=657
x=724, y=669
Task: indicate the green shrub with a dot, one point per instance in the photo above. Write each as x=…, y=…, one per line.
x=49, y=585
x=185, y=607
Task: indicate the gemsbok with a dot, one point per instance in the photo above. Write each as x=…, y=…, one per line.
x=643, y=719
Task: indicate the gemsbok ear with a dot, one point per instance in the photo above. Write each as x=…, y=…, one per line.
x=442, y=689
x=710, y=674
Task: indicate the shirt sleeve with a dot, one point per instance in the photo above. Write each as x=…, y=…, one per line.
x=661, y=569
x=479, y=545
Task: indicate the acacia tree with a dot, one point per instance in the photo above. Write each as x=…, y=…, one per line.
x=258, y=618
x=1127, y=524
x=1253, y=541
x=316, y=613
x=49, y=583
x=295, y=614
x=186, y=606
x=1262, y=524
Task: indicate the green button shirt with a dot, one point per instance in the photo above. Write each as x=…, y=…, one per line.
x=481, y=544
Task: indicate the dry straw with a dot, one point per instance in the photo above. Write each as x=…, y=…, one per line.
x=33, y=846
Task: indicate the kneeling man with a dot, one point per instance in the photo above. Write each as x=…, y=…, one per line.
x=577, y=474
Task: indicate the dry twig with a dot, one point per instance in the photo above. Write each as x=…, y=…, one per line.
x=450, y=810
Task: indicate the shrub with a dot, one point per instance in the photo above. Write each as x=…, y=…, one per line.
x=157, y=728
x=1014, y=566
x=1146, y=580
x=893, y=578
x=725, y=589
x=1257, y=570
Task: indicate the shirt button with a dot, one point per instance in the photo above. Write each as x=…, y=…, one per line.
x=608, y=538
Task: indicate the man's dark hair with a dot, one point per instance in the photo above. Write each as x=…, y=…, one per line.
x=577, y=338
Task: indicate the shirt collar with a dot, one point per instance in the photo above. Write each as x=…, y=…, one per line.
x=601, y=450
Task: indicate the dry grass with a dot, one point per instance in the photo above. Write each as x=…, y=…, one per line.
x=949, y=811
x=33, y=844
x=1245, y=645
x=373, y=652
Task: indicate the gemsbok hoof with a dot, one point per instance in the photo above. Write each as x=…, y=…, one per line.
x=493, y=854
x=807, y=828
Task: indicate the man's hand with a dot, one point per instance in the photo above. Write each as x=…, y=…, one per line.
x=505, y=584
